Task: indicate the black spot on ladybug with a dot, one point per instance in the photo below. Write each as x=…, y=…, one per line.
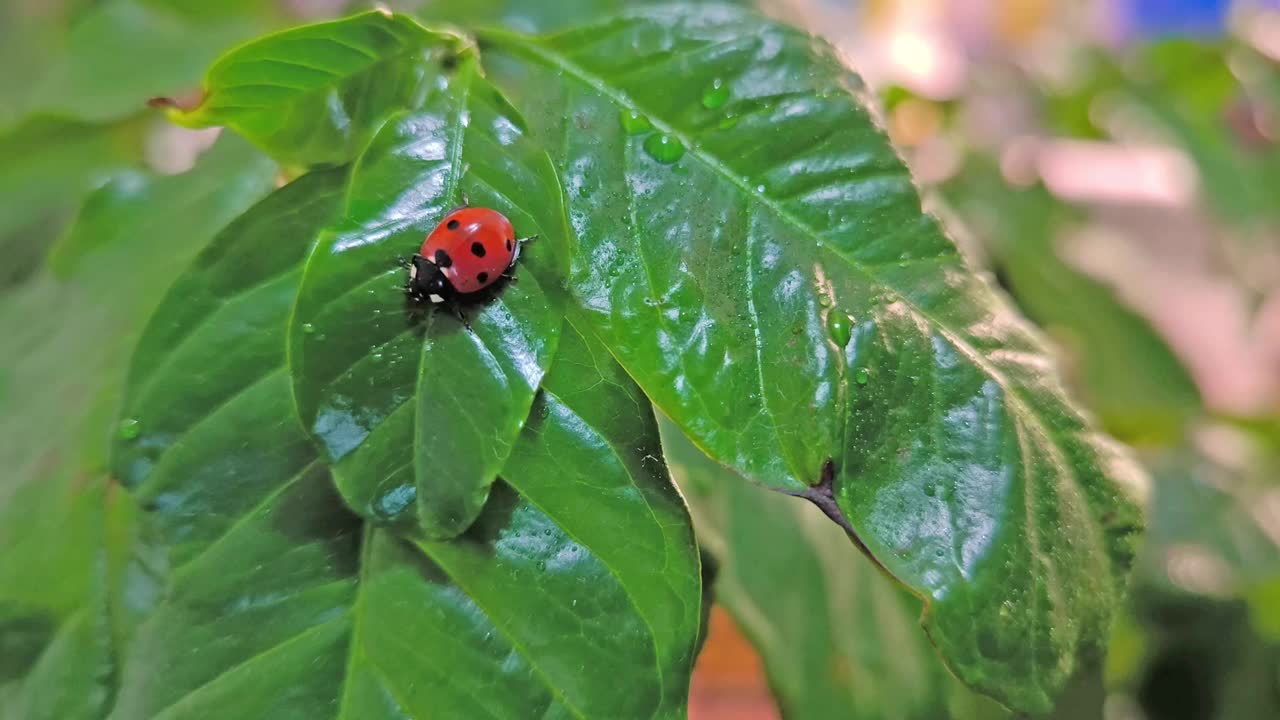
x=477, y=249
x=508, y=244
x=482, y=278
x=443, y=259
x=452, y=225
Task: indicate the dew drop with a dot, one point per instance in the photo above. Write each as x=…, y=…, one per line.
x=728, y=122
x=129, y=429
x=839, y=327
x=663, y=148
x=393, y=502
x=716, y=94
x=930, y=490
x=862, y=376
x=376, y=357
x=308, y=328
x=634, y=123
x=760, y=188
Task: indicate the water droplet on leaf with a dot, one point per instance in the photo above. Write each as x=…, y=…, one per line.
x=839, y=327
x=862, y=376
x=716, y=94
x=129, y=429
x=663, y=148
x=308, y=328
x=634, y=123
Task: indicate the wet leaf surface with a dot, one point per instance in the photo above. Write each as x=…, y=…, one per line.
x=754, y=253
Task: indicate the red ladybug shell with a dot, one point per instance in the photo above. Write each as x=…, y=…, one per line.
x=472, y=247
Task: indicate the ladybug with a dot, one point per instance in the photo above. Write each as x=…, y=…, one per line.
x=470, y=250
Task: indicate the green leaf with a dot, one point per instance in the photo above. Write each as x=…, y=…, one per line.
x=67, y=339
x=47, y=544
x=69, y=682
x=316, y=94
x=838, y=639
x=74, y=675
x=417, y=412
x=49, y=165
x=121, y=52
x=574, y=594
x=759, y=263
x=66, y=345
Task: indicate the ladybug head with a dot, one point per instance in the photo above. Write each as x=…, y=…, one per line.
x=427, y=283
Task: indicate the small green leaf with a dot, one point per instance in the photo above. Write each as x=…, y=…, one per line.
x=939, y=433
x=417, y=412
x=316, y=94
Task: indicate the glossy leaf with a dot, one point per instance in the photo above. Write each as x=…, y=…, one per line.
x=575, y=594
x=316, y=94
x=418, y=413
x=757, y=210
x=838, y=639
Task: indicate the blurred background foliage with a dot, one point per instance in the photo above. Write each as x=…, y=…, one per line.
x=1114, y=163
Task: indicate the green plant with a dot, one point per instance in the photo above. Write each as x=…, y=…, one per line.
x=316, y=503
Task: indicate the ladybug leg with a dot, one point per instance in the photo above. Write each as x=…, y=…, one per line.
x=519, y=244
x=462, y=316
x=466, y=202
